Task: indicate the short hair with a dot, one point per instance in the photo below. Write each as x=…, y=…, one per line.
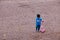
x=38, y=15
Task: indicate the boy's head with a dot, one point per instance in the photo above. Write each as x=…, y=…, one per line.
x=38, y=15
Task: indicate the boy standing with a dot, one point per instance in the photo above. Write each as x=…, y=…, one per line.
x=38, y=22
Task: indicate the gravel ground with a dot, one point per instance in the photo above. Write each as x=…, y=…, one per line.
x=17, y=19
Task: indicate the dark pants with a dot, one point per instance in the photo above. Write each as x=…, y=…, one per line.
x=37, y=27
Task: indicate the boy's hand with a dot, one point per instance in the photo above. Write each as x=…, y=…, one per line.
x=42, y=21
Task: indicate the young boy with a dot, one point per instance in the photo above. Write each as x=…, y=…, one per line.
x=38, y=22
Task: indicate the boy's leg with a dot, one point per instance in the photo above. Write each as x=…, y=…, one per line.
x=38, y=27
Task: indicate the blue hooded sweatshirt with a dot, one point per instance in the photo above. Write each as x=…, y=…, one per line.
x=38, y=21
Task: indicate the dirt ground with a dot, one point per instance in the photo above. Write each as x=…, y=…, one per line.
x=17, y=19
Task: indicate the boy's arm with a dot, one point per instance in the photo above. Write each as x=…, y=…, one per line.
x=42, y=20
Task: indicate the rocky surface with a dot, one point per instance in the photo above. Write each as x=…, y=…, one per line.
x=17, y=19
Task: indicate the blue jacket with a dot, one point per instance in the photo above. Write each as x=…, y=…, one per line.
x=38, y=21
